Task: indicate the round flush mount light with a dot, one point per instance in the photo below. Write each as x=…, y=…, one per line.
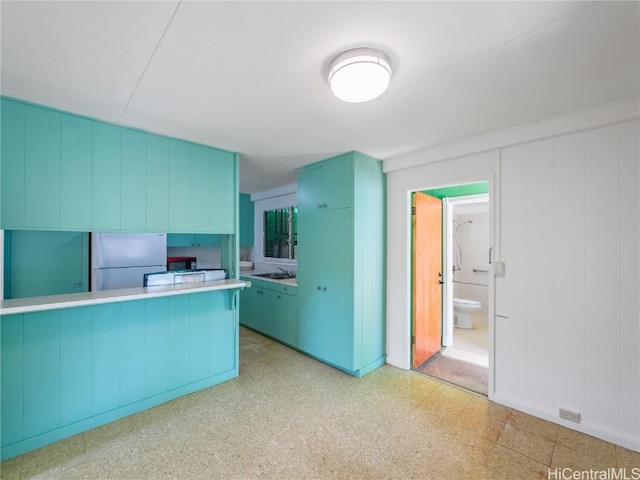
x=359, y=75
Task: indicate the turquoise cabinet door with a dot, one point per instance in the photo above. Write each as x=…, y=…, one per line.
x=179, y=176
x=75, y=364
x=193, y=240
x=338, y=182
x=325, y=286
x=105, y=357
x=157, y=184
x=181, y=240
x=12, y=150
x=208, y=240
x=76, y=146
x=133, y=195
x=132, y=368
x=41, y=372
x=12, y=378
x=246, y=220
x=221, y=206
x=106, y=177
x=326, y=186
x=310, y=281
x=42, y=168
x=285, y=315
x=47, y=263
x=310, y=189
x=246, y=297
x=198, y=188
x=178, y=354
x=337, y=278
x=222, y=332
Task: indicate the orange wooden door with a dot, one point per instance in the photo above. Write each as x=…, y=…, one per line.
x=427, y=277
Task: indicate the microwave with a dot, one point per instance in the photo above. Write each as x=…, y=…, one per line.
x=181, y=263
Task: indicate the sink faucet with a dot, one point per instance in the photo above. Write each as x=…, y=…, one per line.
x=286, y=272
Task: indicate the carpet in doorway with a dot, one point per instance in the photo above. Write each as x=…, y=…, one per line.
x=464, y=374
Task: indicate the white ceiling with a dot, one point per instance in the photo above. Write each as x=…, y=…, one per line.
x=251, y=76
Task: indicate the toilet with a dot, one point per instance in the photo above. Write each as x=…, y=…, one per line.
x=462, y=310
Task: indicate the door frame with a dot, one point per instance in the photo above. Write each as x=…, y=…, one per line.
x=494, y=226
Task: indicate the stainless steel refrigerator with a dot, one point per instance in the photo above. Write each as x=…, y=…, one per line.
x=120, y=260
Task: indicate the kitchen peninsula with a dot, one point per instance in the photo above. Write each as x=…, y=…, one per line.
x=75, y=361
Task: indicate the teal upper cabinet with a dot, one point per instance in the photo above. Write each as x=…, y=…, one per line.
x=76, y=145
x=193, y=240
x=157, y=183
x=341, y=257
x=65, y=172
x=246, y=220
x=12, y=162
x=105, y=178
x=133, y=160
x=42, y=167
x=326, y=185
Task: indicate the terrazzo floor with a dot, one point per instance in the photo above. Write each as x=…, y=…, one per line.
x=288, y=416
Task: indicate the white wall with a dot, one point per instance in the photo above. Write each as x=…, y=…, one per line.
x=286, y=196
x=567, y=220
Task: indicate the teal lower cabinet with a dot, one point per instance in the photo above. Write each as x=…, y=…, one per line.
x=68, y=370
x=270, y=308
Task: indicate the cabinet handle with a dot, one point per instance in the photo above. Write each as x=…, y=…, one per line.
x=324, y=205
x=77, y=284
x=260, y=292
x=319, y=205
x=279, y=297
x=324, y=289
x=319, y=288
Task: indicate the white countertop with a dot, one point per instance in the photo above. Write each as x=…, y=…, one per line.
x=253, y=274
x=37, y=304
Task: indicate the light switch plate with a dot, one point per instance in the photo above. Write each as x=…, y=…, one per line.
x=499, y=268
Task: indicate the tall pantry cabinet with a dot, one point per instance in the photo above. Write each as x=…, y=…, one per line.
x=341, y=262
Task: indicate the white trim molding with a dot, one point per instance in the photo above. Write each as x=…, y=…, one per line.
x=612, y=113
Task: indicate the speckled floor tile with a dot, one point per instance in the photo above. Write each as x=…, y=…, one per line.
x=529, y=443
x=54, y=460
x=603, y=453
x=12, y=469
x=505, y=464
x=531, y=424
x=289, y=416
x=567, y=457
x=627, y=458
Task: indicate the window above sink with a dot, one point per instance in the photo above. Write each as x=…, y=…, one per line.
x=281, y=233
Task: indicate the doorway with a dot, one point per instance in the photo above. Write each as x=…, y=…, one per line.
x=452, y=312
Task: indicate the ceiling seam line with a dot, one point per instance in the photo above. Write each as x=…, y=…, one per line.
x=146, y=67
x=500, y=45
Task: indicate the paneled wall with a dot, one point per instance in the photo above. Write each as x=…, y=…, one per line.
x=570, y=210
x=566, y=213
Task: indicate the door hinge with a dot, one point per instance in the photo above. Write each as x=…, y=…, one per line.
x=413, y=339
x=413, y=210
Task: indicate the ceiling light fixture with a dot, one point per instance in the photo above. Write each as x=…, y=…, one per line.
x=359, y=75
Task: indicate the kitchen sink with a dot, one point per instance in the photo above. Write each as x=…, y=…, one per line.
x=275, y=275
